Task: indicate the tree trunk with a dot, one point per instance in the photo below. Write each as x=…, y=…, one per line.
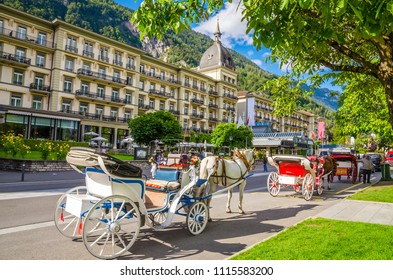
x=388, y=86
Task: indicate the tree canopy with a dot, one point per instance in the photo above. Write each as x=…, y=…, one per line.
x=344, y=36
x=152, y=126
x=222, y=133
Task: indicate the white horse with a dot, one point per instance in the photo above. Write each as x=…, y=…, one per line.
x=223, y=172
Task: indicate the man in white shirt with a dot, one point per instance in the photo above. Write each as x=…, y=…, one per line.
x=367, y=167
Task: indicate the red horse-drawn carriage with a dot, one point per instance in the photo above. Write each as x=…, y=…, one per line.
x=346, y=166
x=294, y=171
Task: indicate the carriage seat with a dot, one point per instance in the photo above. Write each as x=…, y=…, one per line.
x=166, y=180
x=344, y=164
x=173, y=159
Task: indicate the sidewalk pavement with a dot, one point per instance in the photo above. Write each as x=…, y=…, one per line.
x=360, y=211
x=16, y=176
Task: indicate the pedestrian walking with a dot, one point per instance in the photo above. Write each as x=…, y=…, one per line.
x=367, y=167
x=265, y=164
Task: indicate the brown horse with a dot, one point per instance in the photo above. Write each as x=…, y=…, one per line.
x=325, y=166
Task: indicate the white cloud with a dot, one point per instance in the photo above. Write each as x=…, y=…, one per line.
x=266, y=54
x=257, y=62
x=250, y=53
x=232, y=28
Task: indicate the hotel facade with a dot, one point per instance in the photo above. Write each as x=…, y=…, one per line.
x=59, y=81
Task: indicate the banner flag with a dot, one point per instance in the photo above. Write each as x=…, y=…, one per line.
x=239, y=121
x=321, y=130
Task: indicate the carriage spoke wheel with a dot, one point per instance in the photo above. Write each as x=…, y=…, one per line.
x=67, y=223
x=159, y=217
x=119, y=223
x=354, y=173
x=320, y=186
x=308, y=186
x=197, y=218
x=272, y=184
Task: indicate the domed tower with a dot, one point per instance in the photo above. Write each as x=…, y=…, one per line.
x=216, y=55
x=217, y=63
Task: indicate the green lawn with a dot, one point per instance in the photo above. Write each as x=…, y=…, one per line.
x=33, y=155
x=375, y=193
x=36, y=155
x=124, y=157
x=325, y=239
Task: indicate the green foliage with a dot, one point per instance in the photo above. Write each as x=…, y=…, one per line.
x=156, y=125
x=364, y=111
x=222, y=133
x=53, y=150
x=13, y=144
x=345, y=36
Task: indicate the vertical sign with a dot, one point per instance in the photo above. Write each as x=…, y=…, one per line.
x=321, y=130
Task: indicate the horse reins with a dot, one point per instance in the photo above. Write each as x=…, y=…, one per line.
x=224, y=176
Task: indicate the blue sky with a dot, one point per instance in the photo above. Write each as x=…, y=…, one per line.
x=234, y=36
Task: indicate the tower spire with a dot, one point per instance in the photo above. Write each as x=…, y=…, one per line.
x=217, y=33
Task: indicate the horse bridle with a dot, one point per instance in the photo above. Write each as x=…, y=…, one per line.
x=250, y=166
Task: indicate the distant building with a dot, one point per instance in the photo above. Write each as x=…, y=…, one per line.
x=59, y=81
x=296, y=131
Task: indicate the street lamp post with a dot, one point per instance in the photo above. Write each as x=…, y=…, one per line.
x=230, y=140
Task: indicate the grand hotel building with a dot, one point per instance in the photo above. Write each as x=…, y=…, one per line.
x=59, y=81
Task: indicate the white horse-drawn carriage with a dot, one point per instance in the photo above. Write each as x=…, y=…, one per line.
x=109, y=211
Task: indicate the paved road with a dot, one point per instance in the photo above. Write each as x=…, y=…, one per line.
x=27, y=231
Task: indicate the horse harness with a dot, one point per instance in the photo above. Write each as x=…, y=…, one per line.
x=224, y=176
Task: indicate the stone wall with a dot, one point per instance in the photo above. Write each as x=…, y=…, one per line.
x=46, y=165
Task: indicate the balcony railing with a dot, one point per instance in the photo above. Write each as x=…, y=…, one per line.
x=130, y=66
x=175, y=112
x=143, y=107
x=39, y=87
x=101, y=76
x=213, y=92
x=117, y=62
x=71, y=48
x=15, y=58
x=87, y=53
x=96, y=96
x=231, y=96
x=103, y=58
x=197, y=116
x=160, y=93
x=24, y=37
x=97, y=116
x=198, y=101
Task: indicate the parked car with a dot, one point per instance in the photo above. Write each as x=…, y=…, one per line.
x=377, y=160
x=389, y=158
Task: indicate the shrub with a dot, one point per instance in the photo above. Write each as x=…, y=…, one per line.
x=45, y=147
x=61, y=150
x=12, y=143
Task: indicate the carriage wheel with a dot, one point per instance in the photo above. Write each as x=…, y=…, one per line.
x=67, y=223
x=197, y=218
x=159, y=217
x=272, y=184
x=119, y=220
x=320, y=186
x=308, y=186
